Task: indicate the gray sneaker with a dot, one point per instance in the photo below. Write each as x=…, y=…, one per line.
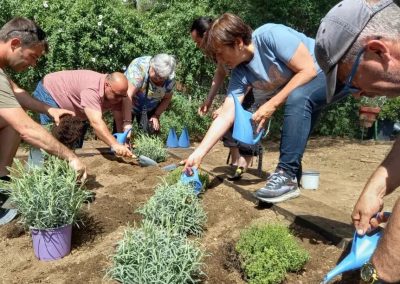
x=279, y=187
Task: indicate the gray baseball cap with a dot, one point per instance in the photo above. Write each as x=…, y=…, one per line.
x=338, y=31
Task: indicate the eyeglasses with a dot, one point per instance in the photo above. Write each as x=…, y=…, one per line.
x=41, y=35
x=349, y=88
x=117, y=94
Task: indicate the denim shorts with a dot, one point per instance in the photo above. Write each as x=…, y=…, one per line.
x=44, y=96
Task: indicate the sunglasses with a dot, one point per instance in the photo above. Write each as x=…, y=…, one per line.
x=41, y=35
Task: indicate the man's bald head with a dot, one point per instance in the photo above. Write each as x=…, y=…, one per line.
x=116, y=87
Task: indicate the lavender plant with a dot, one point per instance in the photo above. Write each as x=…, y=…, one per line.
x=151, y=254
x=48, y=196
x=177, y=208
x=150, y=146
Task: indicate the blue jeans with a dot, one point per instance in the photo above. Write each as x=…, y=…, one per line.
x=302, y=109
x=41, y=94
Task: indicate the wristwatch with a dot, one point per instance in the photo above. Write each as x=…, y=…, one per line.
x=369, y=274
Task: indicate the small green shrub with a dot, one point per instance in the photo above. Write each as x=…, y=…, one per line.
x=48, y=196
x=269, y=252
x=150, y=146
x=177, y=208
x=174, y=176
x=151, y=254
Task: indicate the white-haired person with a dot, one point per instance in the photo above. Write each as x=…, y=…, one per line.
x=151, y=84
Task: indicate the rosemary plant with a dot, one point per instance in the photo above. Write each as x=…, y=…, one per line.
x=177, y=208
x=49, y=196
x=154, y=255
x=150, y=146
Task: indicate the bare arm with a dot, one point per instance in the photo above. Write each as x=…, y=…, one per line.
x=216, y=84
x=163, y=105
x=101, y=130
x=383, y=181
x=28, y=102
x=219, y=126
x=386, y=258
x=37, y=136
x=302, y=64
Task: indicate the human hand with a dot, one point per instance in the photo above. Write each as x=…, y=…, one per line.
x=193, y=160
x=263, y=114
x=204, y=108
x=57, y=113
x=217, y=112
x=126, y=126
x=364, y=212
x=156, y=123
x=122, y=150
x=80, y=168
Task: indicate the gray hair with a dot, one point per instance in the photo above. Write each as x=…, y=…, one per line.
x=384, y=25
x=164, y=65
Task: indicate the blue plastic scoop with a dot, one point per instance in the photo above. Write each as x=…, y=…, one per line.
x=242, y=126
x=122, y=136
x=193, y=180
x=362, y=249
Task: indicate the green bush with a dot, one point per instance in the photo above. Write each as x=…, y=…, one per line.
x=268, y=252
x=151, y=254
x=390, y=110
x=176, y=208
x=183, y=113
x=340, y=119
x=48, y=196
x=150, y=146
x=174, y=176
x=106, y=35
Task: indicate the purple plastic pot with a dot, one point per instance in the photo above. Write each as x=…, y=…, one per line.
x=51, y=244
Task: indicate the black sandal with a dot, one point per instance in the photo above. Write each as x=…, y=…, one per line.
x=237, y=175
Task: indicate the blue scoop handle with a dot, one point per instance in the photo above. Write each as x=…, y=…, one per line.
x=192, y=180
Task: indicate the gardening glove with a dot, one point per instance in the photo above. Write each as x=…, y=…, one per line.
x=364, y=212
x=57, y=113
x=122, y=150
x=80, y=168
x=204, y=108
x=156, y=123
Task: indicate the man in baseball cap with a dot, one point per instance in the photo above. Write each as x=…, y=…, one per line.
x=358, y=48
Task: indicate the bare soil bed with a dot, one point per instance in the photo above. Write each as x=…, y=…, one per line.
x=121, y=186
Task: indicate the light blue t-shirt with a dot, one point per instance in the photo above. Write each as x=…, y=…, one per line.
x=267, y=72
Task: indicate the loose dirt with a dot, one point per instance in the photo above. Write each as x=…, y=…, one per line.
x=121, y=186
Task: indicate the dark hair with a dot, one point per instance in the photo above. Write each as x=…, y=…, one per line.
x=201, y=25
x=26, y=30
x=224, y=31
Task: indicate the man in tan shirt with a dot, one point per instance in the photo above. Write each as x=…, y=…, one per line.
x=22, y=42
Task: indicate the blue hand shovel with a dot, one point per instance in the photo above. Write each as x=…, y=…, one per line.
x=242, y=126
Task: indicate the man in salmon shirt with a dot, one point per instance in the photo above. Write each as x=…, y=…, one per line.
x=88, y=94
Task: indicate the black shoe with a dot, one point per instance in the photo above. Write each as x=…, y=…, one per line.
x=237, y=175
